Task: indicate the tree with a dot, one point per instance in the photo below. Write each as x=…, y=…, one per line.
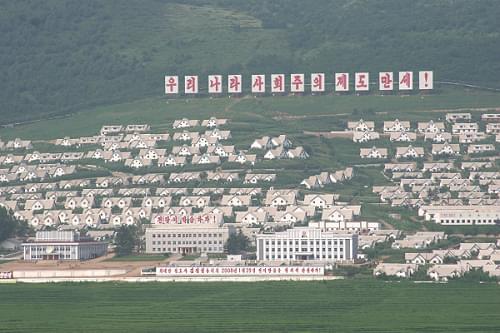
x=126, y=240
x=7, y=224
x=10, y=226
x=237, y=243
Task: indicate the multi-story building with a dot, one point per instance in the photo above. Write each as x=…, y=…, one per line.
x=187, y=238
x=63, y=245
x=307, y=244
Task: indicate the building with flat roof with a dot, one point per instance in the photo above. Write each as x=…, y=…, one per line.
x=461, y=215
x=187, y=238
x=63, y=245
x=307, y=244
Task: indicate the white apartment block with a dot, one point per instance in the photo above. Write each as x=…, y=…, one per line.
x=461, y=215
x=307, y=244
x=187, y=238
x=464, y=128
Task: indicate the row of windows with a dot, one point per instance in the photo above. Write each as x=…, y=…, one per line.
x=329, y=249
x=185, y=242
x=304, y=242
x=273, y=257
x=186, y=235
x=55, y=248
x=198, y=249
x=485, y=221
x=39, y=256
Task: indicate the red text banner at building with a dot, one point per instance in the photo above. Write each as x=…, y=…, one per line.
x=231, y=271
x=187, y=219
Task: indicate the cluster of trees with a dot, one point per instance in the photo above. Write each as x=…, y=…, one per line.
x=237, y=243
x=127, y=240
x=10, y=226
x=58, y=57
x=458, y=39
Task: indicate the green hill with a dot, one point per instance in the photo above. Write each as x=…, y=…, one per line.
x=64, y=56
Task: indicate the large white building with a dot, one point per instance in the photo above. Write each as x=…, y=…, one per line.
x=307, y=244
x=187, y=238
x=461, y=215
x=63, y=245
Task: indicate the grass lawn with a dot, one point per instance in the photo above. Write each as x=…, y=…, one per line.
x=336, y=306
x=190, y=257
x=139, y=257
x=388, y=214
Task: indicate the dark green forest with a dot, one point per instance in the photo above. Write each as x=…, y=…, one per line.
x=65, y=56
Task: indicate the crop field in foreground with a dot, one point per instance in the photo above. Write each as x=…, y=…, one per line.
x=335, y=306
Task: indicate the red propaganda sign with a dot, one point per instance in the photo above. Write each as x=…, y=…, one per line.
x=426, y=80
x=386, y=81
x=258, y=84
x=341, y=81
x=318, y=82
x=240, y=271
x=405, y=80
x=171, y=84
x=191, y=84
x=297, y=83
x=186, y=219
x=362, y=81
x=277, y=83
x=215, y=84
x=234, y=84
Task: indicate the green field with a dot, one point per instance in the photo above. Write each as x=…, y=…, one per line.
x=336, y=306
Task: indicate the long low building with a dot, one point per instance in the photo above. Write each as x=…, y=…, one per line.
x=187, y=238
x=349, y=226
x=461, y=215
x=307, y=244
x=63, y=245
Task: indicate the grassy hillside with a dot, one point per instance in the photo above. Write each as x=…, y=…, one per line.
x=335, y=306
x=251, y=117
x=64, y=56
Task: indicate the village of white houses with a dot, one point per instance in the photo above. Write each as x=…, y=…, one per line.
x=250, y=166
x=205, y=209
